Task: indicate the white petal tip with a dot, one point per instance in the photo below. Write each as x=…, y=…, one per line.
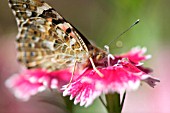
x=41, y=89
x=65, y=93
x=144, y=50
x=148, y=56
x=76, y=102
x=82, y=103
x=134, y=85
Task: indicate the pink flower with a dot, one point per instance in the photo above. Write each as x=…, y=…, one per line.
x=136, y=55
x=30, y=82
x=123, y=73
x=117, y=78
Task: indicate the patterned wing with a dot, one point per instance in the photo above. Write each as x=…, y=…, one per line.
x=45, y=39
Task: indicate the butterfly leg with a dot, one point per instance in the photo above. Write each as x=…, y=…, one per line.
x=95, y=69
x=72, y=74
x=110, y=56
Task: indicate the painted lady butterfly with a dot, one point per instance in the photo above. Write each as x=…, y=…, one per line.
x=46, y=40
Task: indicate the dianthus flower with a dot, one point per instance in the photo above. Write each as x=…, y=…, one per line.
x=125, y=72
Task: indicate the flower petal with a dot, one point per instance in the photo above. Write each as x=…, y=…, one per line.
x=136, y=55
x=122, y=73
x=151, y=81
x=117, y=78
x=31, y=82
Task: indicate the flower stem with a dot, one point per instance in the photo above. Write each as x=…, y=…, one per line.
x=69, y=104
x=102, y=102
x=123, y=100
x=113, y=103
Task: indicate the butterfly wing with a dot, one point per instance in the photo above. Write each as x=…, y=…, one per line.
x=45, y=39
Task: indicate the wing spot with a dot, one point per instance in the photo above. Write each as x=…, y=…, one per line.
x=29, y=13
x=55, y=45
x=66, y=38
x=56, y=22
x=56, y=41
x=33, y=38
x=32, y=54
x=34, y=14
x=25, y=36
x=73, y=46
x=68, y=30
x=31, y=45
x=35, y=32
x=25, y=6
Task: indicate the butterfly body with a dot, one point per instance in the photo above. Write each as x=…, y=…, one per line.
x=46, y=40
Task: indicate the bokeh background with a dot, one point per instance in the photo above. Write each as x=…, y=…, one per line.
x=100, y=21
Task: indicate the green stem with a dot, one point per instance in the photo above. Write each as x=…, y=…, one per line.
x=69, y=104
x=113, y=103
x=102, y=102
x=123, y=100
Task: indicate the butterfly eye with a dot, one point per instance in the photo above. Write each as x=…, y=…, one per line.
x=98, y=57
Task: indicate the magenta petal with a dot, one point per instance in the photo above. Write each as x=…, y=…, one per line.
x=136, y=55
x=30, y=82
x=118, y=78
x=83, y=90
x=150, y=80
x=23, y=88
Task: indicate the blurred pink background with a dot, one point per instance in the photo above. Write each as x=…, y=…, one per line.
x=144, y=100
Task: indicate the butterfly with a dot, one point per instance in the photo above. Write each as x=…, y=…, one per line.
x=46, y=40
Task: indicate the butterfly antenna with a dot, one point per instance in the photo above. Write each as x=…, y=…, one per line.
x=136, y=22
